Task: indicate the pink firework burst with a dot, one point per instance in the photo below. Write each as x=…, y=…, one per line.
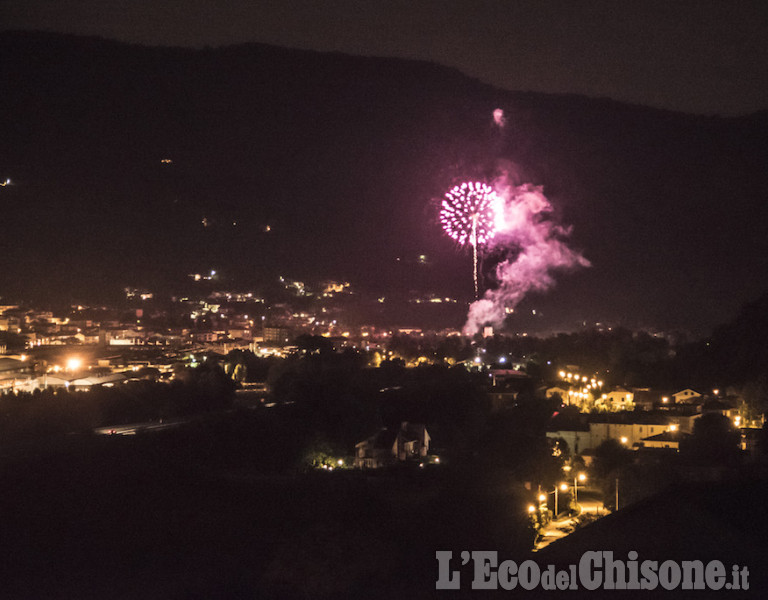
x=468, y=213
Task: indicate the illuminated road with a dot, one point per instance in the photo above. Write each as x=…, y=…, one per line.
x=590, y=505
x=134, y=428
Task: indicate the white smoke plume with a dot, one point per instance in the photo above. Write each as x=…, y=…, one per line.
x=522, y=222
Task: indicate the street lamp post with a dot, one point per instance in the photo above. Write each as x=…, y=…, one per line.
x=563, y=488
x=576, y=478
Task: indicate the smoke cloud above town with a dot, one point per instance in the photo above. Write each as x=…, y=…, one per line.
x=523, y=222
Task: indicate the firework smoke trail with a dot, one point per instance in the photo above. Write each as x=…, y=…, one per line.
x=469, y=215
x=521, y=221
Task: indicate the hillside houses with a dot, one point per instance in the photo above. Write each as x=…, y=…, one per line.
x=659, y=419
x=588, y=431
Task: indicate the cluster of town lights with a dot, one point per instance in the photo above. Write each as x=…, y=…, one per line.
x=584, y=386
x=576, y=379
x=72, y=364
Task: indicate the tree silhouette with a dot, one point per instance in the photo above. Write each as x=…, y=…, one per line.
x=714, y=440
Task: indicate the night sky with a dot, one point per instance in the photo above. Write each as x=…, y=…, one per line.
x=702, y=56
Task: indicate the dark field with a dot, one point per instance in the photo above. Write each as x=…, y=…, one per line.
x=214, y=509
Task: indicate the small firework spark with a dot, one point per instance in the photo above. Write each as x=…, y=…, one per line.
x=499, y=118
x=468, y=213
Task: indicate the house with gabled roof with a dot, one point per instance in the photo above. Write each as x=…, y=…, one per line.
x=390, y=446
x=686, y=395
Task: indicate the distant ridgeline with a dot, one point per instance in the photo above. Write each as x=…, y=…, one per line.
x=130, y=163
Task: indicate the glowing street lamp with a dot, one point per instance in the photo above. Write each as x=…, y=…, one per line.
x=74, y=363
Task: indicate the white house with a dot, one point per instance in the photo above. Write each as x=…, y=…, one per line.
x=629, y=429
x=686, y=395
x=619, y=397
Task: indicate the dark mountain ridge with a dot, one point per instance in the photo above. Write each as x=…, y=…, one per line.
x=342, y=158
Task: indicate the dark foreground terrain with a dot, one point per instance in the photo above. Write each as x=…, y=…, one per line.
x=202, y=512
